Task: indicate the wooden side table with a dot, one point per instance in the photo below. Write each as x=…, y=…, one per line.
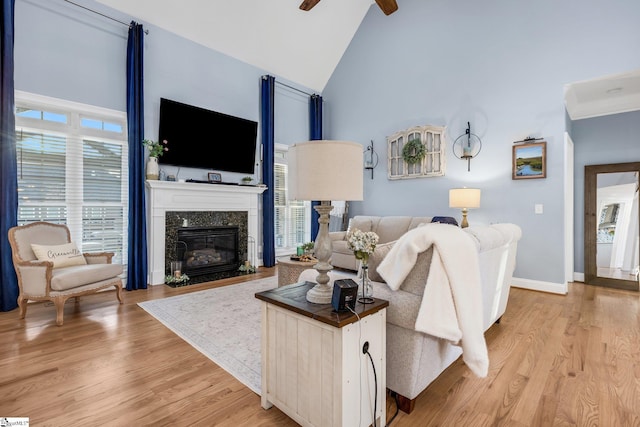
x=313, y=366
x=289, y=270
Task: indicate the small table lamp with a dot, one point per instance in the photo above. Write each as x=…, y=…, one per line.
x=324, y=170
x=465, y=198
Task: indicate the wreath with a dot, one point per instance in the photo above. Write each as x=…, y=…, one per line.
x=413, y=152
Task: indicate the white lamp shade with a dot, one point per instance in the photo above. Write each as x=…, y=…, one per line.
x=325, y=170
x=464, y=198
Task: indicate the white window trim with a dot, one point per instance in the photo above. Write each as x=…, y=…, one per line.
x=42, y=102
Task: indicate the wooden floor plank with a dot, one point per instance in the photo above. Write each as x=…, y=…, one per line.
x=554, y=360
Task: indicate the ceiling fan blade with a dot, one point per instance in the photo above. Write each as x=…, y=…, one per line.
x=387, y=6
x=308, y=4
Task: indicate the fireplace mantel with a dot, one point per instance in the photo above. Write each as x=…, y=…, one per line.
x=164, y=196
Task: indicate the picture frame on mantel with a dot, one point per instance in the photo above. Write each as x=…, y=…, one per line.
x=529, y=160
x=214, y=177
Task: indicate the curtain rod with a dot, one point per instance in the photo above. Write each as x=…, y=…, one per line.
x=295, y=88
x=101, y=14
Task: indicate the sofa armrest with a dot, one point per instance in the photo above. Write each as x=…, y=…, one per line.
x=337, y=235
x=35, y=277
x=403, y=306
x=98, y=257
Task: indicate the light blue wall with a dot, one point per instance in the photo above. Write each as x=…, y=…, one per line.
x=600, y=140
x=498, y=64
x=66, y=52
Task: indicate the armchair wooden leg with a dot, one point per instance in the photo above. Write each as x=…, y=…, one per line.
x=119, y=292
x=22, y=303
x=59, y=303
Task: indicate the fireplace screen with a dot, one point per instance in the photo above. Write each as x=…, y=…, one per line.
x=205, y=250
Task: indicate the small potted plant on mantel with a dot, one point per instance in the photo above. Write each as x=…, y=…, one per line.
x=246, y=180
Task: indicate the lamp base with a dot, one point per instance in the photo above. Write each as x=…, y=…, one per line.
x=464, y=223
x=323, y=291
x=320, y=294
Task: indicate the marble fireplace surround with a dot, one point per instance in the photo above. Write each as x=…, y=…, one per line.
x=168, y=196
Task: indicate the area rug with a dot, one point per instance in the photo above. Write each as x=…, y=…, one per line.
x=222, y=323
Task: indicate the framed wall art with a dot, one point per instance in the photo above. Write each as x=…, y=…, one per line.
x=214, y=177
x=529, y=160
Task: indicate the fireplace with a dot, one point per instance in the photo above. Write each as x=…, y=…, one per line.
x=174, y=205
x=210, y=244
x=207, y=250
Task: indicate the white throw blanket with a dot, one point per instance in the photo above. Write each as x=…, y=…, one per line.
x=451, y=306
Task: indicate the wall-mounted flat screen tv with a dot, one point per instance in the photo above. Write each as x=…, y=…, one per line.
x=205, y=139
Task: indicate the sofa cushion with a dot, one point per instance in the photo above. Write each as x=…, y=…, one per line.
x=390, y=228
x=417, y=221
x=78, y=275
x=60, y=255
x=361, y=223
x=376, y=258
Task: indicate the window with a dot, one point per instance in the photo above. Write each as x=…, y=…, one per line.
x=292, y=218
x=72, y=169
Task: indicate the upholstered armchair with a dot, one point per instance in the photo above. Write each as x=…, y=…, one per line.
x=50, y=268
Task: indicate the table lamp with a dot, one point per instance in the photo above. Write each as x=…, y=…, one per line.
x=324, y=170
x=465, y=198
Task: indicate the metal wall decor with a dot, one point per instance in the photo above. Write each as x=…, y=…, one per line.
x=467, y=146
x=370, y=158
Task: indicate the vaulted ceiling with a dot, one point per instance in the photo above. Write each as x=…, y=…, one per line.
x=304, y=47
x=275, y=35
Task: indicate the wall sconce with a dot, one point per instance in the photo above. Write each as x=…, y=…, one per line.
x=370, y=158
x=464, y=198
x=467, y=146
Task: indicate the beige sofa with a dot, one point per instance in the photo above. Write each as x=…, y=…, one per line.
x=388, y=229
x=415, y=359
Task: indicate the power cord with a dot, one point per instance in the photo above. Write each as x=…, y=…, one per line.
x=365, y=350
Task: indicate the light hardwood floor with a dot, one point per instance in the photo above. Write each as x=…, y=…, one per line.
x=555, y=360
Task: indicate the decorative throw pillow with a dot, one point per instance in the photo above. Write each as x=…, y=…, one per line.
x=376, y=258
x=445, y=220
x=61, y=255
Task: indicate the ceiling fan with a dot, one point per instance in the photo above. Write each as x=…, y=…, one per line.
x=387, y=6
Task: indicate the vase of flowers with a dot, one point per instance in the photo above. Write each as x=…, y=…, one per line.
x=156, y=149
x=363, y=243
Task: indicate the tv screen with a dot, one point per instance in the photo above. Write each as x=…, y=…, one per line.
x=205, y=139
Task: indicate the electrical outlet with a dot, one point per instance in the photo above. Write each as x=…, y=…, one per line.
x=539, y=208
x=365, y=347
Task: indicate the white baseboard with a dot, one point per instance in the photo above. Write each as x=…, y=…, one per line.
x=578, y=277
x=537, y=285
